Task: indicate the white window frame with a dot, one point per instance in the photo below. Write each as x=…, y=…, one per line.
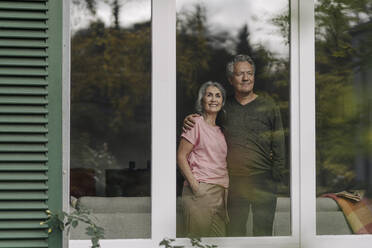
x=307, y=116
x=303, y=201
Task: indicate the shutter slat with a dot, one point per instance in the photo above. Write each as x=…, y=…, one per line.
x=29, y=234
x=13, y=5
x=25, y=0
x=11, y=52
x=26, y=71
x=22, y=186
x=23, y=129
x=23, y=176
x=30, y=224
x=25, y=138
x=15, y=167
x=16, y=90
x=30, y=157
x=31, y=15
x=26, y=215
x=23, y=196
x=23, y=100
x=29, y=62
x=22, y=24
x=23, y=148
x=32, y=43
x=23, y=110
x=22, y=81
x=23, y=244
x=23, y=119
x=24, y=34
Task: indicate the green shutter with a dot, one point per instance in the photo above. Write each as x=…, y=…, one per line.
x=30, y=121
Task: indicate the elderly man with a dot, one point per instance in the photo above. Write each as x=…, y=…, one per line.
x=254, y=134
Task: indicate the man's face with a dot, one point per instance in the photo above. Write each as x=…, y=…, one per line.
x=243, y=78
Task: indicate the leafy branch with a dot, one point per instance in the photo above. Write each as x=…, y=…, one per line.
x=66, y=221
x=195, y=242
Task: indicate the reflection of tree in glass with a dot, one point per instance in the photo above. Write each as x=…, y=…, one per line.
x=100, y=158
x=83, y=12
x=110, y=89
x=202, y=56
x=111, y=72
x=338, y=103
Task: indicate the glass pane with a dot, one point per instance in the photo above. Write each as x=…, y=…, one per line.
x=235, y=159
x=343, y=116
x=111, y=116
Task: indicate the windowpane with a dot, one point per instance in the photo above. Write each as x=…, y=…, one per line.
x=343, y=116
x=251, y=133
x=111, y=115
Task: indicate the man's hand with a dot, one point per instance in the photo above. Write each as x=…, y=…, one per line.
x=189, y=122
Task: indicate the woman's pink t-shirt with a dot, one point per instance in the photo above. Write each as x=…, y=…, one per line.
x=207, y=159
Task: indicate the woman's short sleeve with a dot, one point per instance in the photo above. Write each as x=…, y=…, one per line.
x=192, y=135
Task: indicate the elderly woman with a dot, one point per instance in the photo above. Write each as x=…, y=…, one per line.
x=201, y=157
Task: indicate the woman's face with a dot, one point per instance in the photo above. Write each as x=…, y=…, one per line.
x=212, y=100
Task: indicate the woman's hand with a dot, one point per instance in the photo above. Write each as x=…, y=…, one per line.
x=194, y=186
x=189, y=122
x=184, y=149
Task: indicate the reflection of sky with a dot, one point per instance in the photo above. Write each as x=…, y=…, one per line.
x=131, y=11
x=231, y=15
x=222, y=15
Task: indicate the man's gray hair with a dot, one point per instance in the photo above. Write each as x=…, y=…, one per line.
x=236, y=59
x=201, y=93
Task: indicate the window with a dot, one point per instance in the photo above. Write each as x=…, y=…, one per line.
x=343, y=107
x=110, y=158
x=208, y=35
x=303, y=109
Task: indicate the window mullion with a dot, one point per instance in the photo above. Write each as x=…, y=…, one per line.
x=163, y=119
x=295, y=122
x=307, y=122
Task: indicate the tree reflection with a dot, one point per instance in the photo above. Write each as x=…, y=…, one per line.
x=342, y=100
x=111, y=77
x=111, y=83
x=202, y=54
x=111, y=102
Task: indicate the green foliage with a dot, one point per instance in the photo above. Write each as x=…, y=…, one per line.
x=167, y=243
x=243, y=46
x=110, y=87
x=120, y=60
x=338, y=105
x=66, y=221
x=195, y=242
x=111, y=78
x=283, y=21
x=193, y=49
x=97, y=159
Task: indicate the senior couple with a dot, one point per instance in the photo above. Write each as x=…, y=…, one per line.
x=231, y=154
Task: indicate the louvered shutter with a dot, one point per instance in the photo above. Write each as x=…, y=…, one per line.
x=30, y=139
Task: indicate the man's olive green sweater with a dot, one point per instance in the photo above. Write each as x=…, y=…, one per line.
x=255, y=139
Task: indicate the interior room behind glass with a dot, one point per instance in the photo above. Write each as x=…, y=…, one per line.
x=111, y=115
